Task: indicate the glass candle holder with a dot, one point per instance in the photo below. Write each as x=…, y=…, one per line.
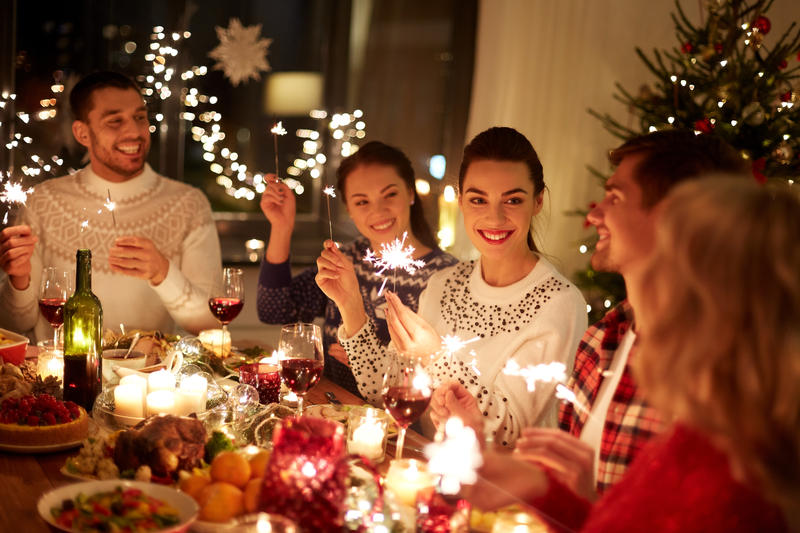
x=406, y=478
x=50, y=361
x=367, y=429
x=438, y=513
x=266, y=378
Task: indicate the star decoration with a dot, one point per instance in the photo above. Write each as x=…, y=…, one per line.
x=241, y=53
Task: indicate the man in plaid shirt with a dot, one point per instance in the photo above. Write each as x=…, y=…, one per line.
x=609, y=421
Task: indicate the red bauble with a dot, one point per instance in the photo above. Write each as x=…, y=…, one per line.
x=762, y=24
x=687, y=48
x=704, y=126
x=785, y=97
x=718, y=48
x=783, y=64
x=758, y=167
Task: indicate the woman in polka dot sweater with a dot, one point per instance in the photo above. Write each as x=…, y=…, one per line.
x=512, y=301
x=377, y=185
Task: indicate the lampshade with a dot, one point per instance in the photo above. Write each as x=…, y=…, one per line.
x=293, y=93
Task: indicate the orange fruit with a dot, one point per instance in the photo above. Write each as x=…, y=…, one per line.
x=219, y=502
x=251, y=493
x=193, y=484
x=258, y=464
x=230, y=467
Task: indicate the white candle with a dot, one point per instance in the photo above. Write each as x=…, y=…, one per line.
x=192, y=395
x=50, y=364
x=161, y=380
x=129, y=400
x=161, y=402
x=367, y=433
x=139, y=383
x=406, y=477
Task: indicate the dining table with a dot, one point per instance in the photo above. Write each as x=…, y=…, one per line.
x=24, y=477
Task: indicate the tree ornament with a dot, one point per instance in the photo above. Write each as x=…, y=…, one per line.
x=704, y=126
x=687, y=48
x=758, y=170
x=753, y=114
x=241, y=53
x=783, y=153
x=762, y=24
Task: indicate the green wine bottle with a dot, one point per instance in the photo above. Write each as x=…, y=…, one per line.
x=83, y=324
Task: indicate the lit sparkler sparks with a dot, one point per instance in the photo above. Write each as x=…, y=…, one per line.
x=453, y=343
x=111, y=206
x=545, y=372
x=276, y=130
x=456, y=458
x=13, y=194
x=329, y=193
x=564, y=393
x=394, y=256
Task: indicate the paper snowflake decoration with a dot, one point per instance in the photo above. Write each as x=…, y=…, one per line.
x=241, y=53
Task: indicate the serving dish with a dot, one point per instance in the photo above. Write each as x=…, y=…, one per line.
x=12, y=346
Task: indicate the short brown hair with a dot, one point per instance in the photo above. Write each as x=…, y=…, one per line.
x=672, y=156
x=80, y=98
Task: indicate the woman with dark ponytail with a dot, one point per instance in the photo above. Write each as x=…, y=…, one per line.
x=511, y=303
x=376, y=184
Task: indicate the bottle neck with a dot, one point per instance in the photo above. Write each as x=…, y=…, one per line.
x=83, y=272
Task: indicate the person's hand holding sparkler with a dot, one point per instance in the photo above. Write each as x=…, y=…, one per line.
x=453, y=399
x=138, y=257
x=569, y=459
x=410, y=333
x=16, y=248
x=336, y=277
x=278, y=205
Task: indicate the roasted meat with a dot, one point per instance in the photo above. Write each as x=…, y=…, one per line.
x=166, y=443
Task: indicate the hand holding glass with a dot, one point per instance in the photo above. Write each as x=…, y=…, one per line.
x=406, y=394
x=55, y=289
x=302, y=359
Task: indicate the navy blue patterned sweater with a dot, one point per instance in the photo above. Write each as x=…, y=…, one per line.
x=283, y=299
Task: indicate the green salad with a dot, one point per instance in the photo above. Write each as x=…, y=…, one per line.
x=121, y=510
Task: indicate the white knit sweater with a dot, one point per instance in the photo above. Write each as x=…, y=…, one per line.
x=68, y=213
x=538, y=319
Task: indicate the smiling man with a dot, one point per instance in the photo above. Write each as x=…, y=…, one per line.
x=601, y=438
x=156, y=253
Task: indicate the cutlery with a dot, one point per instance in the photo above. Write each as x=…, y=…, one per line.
x=332, y=398
x=133, y=343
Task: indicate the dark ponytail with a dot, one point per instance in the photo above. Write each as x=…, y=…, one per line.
x=378, y=153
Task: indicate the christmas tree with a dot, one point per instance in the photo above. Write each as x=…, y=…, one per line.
x=727, y=77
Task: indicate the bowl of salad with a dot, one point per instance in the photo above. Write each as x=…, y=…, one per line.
x=117, y=505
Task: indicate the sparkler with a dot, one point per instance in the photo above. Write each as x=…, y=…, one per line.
x=456, y=458
x=329, y=192
x=394, y=256
x=111, y=206
x=276, y=130
x=13, y=194
x=452, y=344
x=545, y=372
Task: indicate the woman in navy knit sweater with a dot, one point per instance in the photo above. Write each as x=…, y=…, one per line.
x=377, y=186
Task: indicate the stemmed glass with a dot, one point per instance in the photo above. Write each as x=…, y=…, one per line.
x=226, y=304
x=54, y=291
x=406, y=393
x=302, y=360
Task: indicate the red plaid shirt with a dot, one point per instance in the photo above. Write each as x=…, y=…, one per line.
x=630, y=422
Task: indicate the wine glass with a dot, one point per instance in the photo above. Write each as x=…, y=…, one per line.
x=302, y=360
x=53, y=294
x=406, y=393
x=227, y=303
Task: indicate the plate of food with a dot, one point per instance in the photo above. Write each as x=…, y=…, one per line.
x=340, y=412
x=134, y=504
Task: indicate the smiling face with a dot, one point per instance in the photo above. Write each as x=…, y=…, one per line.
x=625, y=229
x=378, y=202
x=498, y=202
x=116, y=133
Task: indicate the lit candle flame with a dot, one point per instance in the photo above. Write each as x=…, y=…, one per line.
x=456, y=458
x=394, y=256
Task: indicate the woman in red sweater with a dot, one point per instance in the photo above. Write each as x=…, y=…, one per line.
x=720, y=356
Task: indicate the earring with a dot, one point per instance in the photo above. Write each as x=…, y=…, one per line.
x=412, y=202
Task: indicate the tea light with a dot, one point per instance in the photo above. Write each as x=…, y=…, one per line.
x=366, y=433
x=191, y=395
x=51, y=363
x=217, y=341
x=129, y=399
x=161, y=380
x=161, y=402
x=406, y=477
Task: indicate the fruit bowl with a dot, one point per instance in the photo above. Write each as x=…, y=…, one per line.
x=12, y=346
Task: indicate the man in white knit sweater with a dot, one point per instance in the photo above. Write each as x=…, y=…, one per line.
x=154, y=262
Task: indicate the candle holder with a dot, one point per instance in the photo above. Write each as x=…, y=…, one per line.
x=406, y=478
x=438, y=513
x=50, y=361
x=367, y=429
x=266, y=378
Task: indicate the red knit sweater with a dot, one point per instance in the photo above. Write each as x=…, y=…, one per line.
x=679, y=483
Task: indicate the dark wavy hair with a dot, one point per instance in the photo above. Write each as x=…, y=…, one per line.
x=378, y=153
x=80, y=98
x=504, y=144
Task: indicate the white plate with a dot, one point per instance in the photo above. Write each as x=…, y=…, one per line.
x=42, y=448
x=186, y=506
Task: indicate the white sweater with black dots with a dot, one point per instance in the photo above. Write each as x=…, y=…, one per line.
x=539, y=319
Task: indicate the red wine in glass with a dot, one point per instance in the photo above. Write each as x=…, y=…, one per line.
x=53, y=310
x=405, y=404
x=300, y=375
x=225, y=309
